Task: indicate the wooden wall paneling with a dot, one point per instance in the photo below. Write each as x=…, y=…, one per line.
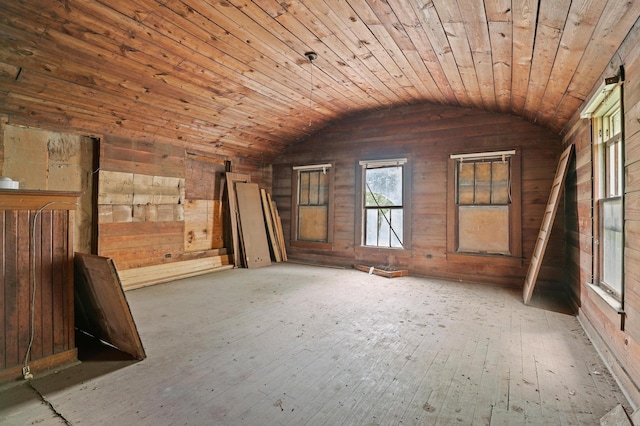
x=428, y=134
x=11, y=277
x=198, y=224
x=48, y=265
x=47, y=281
x=24, y=283
x=269, y=219
x=141, y=244
x=232, y=179
x=3, y=286
x=105, y=312
x=256, y=247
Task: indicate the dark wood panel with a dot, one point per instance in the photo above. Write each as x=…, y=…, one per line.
x=102, y=308
x=47, y=265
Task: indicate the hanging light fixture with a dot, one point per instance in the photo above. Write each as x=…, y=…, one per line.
x=311, y=56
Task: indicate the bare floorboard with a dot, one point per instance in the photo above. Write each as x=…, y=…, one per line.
x=299, y=345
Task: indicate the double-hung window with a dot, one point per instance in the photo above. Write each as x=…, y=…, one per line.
x=484, y=204
x=312, y=200
x=383, y=204
x=608, y=144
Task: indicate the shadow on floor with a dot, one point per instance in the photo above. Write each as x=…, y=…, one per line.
x=96, y=359
x=552, y=300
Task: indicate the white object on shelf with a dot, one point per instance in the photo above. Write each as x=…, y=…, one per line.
x=8, y=183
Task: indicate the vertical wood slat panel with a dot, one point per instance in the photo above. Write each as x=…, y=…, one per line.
x=35, y=273
x=58, y=277
x=3, y=289
x=52, y=269
x=46, y=283
x=23, y=282
x=11, y=289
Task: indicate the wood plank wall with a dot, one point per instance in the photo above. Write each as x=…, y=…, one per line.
x=159, y=203
x=621, y=348
x=53, y=257
x=427, y=134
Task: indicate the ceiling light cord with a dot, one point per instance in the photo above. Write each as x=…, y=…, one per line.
x=311, y=56
x=311, y=93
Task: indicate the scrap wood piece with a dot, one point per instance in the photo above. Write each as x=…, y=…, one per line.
x=279, y=231
x=547, y=223
x=269, y=219
x=102, y=309
x=382, y=272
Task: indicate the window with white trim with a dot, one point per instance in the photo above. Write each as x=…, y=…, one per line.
x=605, y=112
x=383, y=204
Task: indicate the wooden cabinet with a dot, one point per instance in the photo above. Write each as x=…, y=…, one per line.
x=37, y=281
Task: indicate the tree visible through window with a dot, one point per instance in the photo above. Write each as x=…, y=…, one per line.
x=383, y=204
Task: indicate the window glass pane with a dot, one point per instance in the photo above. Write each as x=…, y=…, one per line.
x=383, y=186
x=397, y=224
x=466, y=183
x=371, y=227
x=323, y=193
x=384, y=231
x=304, y=188
x=500, y=183
x=612, y=250
x=313, y=187
x=483, y=183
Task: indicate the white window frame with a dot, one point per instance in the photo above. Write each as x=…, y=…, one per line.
x=401, y=235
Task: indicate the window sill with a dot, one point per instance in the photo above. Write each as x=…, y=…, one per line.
x=606, y=297
x=383, y=250
x=311, y=245
x=494, y=259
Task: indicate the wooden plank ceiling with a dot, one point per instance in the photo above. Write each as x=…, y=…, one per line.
x=231, y=77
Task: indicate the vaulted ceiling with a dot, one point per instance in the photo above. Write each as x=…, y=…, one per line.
x=231, y=77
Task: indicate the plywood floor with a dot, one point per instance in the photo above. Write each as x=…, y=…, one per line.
x=298, y=345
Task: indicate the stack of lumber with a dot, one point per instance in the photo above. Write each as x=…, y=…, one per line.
x=256, y=226
x=156, y=274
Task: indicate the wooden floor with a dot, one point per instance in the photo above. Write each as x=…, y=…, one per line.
x=298, y=345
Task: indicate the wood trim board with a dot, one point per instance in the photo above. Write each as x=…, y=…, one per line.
x=266, y=207
x=547, y=223
x=278, y=227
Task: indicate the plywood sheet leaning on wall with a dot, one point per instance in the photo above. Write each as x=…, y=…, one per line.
x=102, y=309
x=547, y=223
x=254, y=236
x=232, y=179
